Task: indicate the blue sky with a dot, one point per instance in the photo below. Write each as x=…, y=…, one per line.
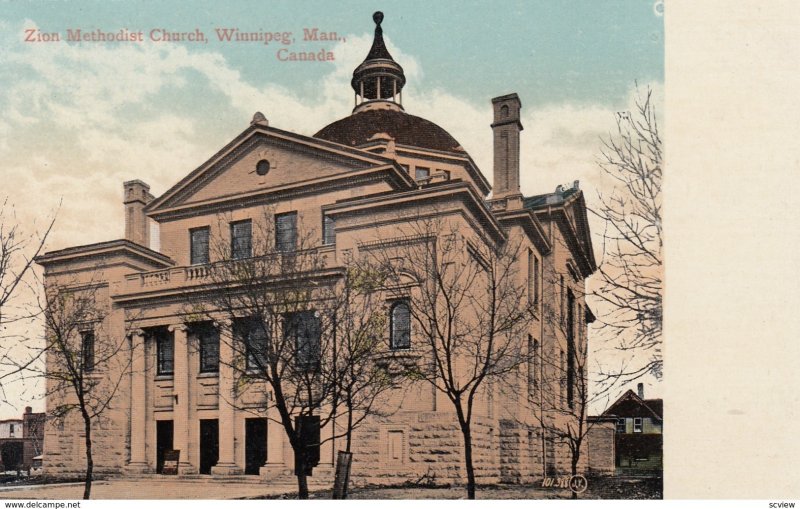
x=79, y=119
x=583, y=50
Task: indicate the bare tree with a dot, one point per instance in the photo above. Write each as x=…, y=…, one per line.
x=86, y=364
x=17, y=252
x=361, y=322
x=469, y=308
x=303, y=330
x=562, y=406
x=630, y=274
x=559, y=397
x=363, y=378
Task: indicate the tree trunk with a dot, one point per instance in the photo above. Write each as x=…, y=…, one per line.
x=302, y=478
x=576, y=456
x=302, y=486
x=87, y=488
x=467, y=433
x=349, y=436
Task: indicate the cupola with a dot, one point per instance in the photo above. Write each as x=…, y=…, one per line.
x=378, y=82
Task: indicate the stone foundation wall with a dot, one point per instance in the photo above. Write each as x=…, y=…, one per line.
x=65, y=449
x=520, y=453
x=432, y=450
x=414, y=447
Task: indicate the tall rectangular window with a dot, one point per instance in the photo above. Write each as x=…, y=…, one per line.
x=87, y=351
x=328, y=230
x=286, y=232
x=621, y=425
x=304, y=328
x=531, y=367
x=533, y=359
x=198, y=240
x=637, y=425
x=570, y=349
x=252, y=332
x=208, y=340
x=241, y=240
x=562, y=381
x=165, y=352
x=531, y=280
x=536, y=290
x=400, y=326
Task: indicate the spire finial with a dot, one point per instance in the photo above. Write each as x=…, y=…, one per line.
x=377, y=18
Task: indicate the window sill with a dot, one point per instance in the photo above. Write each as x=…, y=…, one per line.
x=255, y=372
x=208, y=374
x=164, y=377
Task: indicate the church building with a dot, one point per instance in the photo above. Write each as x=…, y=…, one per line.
x=357, y=182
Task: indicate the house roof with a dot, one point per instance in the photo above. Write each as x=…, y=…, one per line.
x=656, y=405
x=631, y=405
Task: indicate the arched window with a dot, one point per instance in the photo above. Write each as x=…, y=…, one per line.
x=400, y=326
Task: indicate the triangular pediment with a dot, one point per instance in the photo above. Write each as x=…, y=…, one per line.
x=578, y=221
x=290, y=159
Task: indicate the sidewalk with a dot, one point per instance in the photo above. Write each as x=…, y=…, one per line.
x=149, y=489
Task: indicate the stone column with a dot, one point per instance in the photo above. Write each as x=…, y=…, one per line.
x=180, y=402
x=138, y=402
x=276, y=440
x=226, y=465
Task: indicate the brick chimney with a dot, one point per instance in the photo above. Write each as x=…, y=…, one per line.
x=640, y=390
x=137, y=225
x=506, y=128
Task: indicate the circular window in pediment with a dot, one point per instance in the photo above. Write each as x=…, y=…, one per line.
x=262, y=168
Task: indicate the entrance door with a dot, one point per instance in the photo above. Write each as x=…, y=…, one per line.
x=163, y=442
x=255, y=445
x=209, y=444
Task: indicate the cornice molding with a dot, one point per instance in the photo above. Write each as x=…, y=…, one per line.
x=391, y=173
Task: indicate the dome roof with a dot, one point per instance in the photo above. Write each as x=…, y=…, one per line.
x=378, y=82
x=360, y=127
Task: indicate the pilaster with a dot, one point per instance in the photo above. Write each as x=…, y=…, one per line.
x=180, y=403
x=137, y=403
x=226, y=463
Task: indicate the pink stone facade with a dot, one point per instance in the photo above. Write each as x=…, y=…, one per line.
x=373, y=191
